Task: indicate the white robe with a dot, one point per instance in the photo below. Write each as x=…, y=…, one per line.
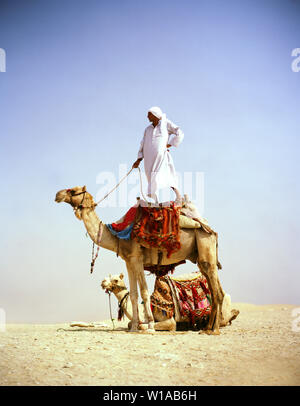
x=158, y=162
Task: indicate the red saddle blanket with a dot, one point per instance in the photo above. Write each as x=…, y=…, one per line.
x=158, y=227
x=192, y=297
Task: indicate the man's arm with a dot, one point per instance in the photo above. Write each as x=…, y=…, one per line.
x=140, y=154
x=178, y=134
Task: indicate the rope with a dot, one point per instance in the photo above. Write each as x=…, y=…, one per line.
x=109, y=293
x=99, y=236
x=117, y=185
x=100, y=230
x=141, y=184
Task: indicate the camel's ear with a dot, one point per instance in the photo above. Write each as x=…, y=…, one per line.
x=121, y=275
x=84, y=188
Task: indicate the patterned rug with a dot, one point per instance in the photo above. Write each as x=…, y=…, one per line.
x=158, y=227
x=192, y=297
x=123, y=228
x=162, y=296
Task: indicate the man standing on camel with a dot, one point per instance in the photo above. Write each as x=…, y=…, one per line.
x=158, y=163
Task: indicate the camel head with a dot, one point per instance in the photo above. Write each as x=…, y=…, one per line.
x=113, y=283
x=77, y=197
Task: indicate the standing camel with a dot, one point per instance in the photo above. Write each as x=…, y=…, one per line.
x=197, y=246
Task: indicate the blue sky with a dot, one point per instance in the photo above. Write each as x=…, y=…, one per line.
x=80, y=77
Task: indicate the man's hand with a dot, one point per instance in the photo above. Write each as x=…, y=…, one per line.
x=169, y=145
x=137, y=162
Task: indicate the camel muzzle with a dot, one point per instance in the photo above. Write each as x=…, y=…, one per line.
x=60, y=196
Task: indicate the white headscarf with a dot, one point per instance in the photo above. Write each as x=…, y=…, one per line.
x=156, y=111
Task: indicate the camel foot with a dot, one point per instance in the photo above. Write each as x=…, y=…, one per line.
x=151, y=325
x=210, y=332
x=133, y=328
x=146, y=327
x=234, y=314
x=149, y=331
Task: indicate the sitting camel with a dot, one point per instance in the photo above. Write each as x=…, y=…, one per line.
x=163, y=322
x=197, y=245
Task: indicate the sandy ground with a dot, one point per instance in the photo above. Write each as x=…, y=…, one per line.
x=259, y=348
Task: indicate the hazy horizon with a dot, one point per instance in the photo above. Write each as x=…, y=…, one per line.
x=79, y=80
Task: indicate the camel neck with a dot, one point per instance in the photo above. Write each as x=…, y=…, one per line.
x=120, y=295
x=92, y=223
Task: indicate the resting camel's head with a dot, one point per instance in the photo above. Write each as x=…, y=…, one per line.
x=77, y=197
x=113, y=283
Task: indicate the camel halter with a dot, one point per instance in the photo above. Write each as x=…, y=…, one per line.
x=120, y=310
x=80, y=206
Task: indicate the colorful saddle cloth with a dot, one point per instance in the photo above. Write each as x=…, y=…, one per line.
x=151, y=226
x=158, y=227
x=190, y=296
x=123, y=228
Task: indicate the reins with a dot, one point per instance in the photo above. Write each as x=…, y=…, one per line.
x=120, y=311
x=94, y=257
x=117, y=185
x=109, y=293
x=100, y=230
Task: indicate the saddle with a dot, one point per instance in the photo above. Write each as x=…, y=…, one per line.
x=158, y=225
x=184, y=297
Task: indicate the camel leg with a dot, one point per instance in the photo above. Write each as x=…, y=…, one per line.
x=162, y=322
x=207, y=263
x=167, y=325
x=225, y=311
x=133, y=293
x=146, y=298
x=227, y=314
x=210, y=273
x=220, y=287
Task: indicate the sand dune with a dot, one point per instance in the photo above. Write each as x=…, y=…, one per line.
x=259, y=348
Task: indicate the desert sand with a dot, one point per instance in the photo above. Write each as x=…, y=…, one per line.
x=259, y=348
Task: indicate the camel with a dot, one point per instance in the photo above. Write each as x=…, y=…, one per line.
x=197, y=246
x=116, y=285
